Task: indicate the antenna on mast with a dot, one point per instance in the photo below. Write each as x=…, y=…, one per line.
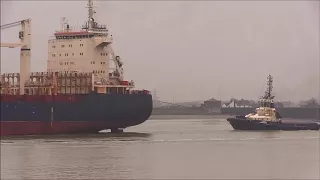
x=63, y=22
x=269, y=88
x=90, y=14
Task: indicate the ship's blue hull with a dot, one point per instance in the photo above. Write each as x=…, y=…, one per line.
x=52, y=113
x=241, y=123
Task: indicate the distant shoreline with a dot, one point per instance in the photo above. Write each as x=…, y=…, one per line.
x=170, y=117
x=297, y=113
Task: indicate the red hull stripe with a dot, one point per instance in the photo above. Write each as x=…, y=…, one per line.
x=39, y=128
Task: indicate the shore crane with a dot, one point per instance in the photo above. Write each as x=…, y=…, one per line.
x=25, y=52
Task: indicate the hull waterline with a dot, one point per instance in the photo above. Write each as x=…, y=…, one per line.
x=50, y=128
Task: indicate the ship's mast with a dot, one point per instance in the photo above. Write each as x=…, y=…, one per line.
x=90, y=15
x=269, y=88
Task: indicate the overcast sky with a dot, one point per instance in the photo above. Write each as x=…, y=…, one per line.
x=191, y=50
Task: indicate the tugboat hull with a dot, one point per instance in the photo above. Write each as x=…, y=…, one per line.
x=241, y=123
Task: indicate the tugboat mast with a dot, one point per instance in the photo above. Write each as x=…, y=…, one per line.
x=269, y=88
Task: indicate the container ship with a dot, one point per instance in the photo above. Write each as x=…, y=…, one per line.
x=82, y=91
x=266, y=117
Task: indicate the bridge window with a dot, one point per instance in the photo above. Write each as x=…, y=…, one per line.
x=72, y=54
x=62, y=46
x=70, y=45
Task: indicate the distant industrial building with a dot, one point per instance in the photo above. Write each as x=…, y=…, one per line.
x=212, y=105
x=239, y=103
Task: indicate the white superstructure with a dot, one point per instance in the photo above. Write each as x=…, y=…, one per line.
x=78, y=62
x=87, y=51
x=266, y=111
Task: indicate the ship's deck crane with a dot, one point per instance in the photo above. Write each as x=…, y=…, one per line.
x=25, y=54
x=10, y=45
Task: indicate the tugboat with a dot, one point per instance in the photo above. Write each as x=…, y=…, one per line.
x=266, y=117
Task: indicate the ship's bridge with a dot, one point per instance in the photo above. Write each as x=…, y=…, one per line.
x=99, y=38
x=102, y=40
x=267, y=103
x=72, y=35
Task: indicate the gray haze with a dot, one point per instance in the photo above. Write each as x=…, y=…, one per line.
x=191, y=50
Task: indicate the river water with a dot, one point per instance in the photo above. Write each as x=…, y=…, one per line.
x=197, y=148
